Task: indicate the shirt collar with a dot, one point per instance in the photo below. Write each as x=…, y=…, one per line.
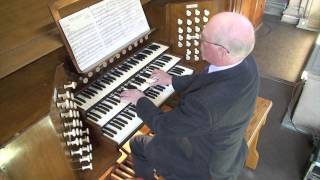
x=213, y=68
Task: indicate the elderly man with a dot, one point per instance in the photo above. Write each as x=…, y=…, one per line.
x=202, y=137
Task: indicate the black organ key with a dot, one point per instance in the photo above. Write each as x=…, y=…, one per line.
x=106, y=105
x=126, y=116
x=80, y=99
x=154, y=91
x=109, y=129
x=115, y=125
x=100, y=84
x=128, y=113
x=146, y=51
x=116, y=74
x=114, y=99
x=94, y=114
x=145, y=75
x=112, y=102
x=93, y=91
x=153, y=47
x=107, y=132
x=164, y=60
x=118, y=123
x=92, y=117
x=96, y=86
x=180, y=69
x=100, y=110
x=104, y=108
x=121, y=120
x=85, y=95
x=88, y=92
x=166, y=57
x=105, y=81
x=139, y=79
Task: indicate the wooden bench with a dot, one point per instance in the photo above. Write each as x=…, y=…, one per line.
x=258, y=119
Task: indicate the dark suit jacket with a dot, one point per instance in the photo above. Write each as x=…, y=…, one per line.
x=202, y=138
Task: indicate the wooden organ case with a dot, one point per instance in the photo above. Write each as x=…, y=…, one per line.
x=34, y=142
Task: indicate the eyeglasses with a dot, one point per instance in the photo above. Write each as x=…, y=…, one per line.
x=202, y=39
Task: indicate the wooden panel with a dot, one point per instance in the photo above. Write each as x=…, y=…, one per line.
x=36, y=154
x=26, y=95
x=259, y=11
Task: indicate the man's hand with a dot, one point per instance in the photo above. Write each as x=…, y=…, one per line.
x=160, y=78
x=131, y=95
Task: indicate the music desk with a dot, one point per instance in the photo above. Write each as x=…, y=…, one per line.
x=258, y=119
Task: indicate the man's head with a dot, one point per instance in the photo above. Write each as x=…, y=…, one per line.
x=227, y=39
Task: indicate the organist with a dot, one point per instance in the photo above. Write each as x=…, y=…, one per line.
x=202, y=138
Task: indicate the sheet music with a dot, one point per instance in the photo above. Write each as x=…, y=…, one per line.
x=99, y=31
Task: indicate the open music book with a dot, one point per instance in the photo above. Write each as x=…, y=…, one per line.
x=98, y=32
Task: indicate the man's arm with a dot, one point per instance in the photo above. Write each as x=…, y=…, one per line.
x=189, y=118
x=180, y=83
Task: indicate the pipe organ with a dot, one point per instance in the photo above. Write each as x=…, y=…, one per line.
x=63, y=122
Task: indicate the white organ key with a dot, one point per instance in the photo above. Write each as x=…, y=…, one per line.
x=197, y=29
x=179, y=21
x=189, y=22
x=180, y=30
x=188, y=13
x=189, y=29
x=180, y=44
x=196, y=51
x=66, y=95
x=188, y=44
x=87, y=167
x=73, y=132
x=205, y=19
x=87, y=158
x=180, y=37
x=72, y=85
x=197, y=20
x=197, y=12
x=76, y=152
x=206, y=12
x=196, y=42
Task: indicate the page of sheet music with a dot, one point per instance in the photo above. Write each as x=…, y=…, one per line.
x=99, y=31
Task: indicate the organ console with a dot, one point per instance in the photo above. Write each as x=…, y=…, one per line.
x=61, y=123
